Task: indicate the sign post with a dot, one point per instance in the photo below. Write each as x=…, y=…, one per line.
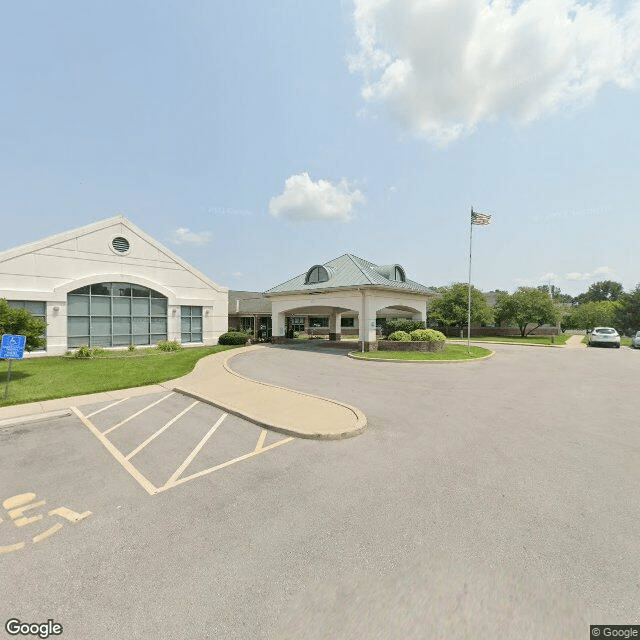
x=11, y=348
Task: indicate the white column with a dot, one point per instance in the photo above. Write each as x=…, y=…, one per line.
x=335, y=326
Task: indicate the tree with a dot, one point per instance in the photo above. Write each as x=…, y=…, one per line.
x=527, y=306
x=592, y=314
x=601, y=291
x=21, y=322
x=554, y=292
x=627, y=315
x=451, y=308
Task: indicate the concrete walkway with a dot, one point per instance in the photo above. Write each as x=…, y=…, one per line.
x=213, y=381
x=575, y=342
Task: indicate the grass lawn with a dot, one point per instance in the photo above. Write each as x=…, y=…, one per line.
x=561, y=339
x=36, y=379
x=450, y=352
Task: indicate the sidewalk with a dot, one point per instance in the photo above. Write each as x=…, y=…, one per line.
x=213, y=381
x=575, y=342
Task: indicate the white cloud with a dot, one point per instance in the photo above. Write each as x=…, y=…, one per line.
x=182, y=235
x=444, y=66
x=237, y=274
x=604, y=272
x=304, y=199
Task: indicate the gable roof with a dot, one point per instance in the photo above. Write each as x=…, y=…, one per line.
x=98, y=226
x=350, y=271
x=248, y=302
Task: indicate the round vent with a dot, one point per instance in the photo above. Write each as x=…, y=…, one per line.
x=121, y=245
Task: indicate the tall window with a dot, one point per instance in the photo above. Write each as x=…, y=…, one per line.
x=297, y=323
x=246, y=324
x=398, y=274
x=112, y=314
x=191, y=324
x=36, y=309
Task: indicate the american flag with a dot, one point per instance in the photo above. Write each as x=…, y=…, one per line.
x=479, y=218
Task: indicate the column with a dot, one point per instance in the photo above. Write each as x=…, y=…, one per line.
x=335, y=326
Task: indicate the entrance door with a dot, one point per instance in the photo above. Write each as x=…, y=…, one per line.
x=265, y=327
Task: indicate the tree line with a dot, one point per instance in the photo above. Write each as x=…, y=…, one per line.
x=605, y=303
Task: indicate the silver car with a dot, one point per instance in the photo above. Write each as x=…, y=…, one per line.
x=635, y=341
x=604, y=336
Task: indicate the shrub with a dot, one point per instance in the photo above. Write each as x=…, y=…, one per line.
x=233, y=337
x=427, y=335
x=132, y=347
x=400, y=336
x=83, y=352
x=401, y=325
x=169, y=345
x=98, y=351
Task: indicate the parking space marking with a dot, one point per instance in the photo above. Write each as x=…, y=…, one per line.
x=174, y=479
x=135, y=415
x=153, y=436
x=195, y=452
x=141, y=480
x=205, y=472
x=113, y=404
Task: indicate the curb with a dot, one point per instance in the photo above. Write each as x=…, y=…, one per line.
x=354, y=357
x=33, y=417
x=519, y=344
x=361, y=419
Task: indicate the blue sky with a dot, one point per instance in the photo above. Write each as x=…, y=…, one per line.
x=256, y=139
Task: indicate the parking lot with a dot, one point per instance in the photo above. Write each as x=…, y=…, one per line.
x=484, y=497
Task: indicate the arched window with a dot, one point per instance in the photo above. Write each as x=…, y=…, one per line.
x=316, y=274
x=398, y=274
x=112, y=314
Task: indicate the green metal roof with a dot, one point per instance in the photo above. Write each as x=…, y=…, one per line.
x=350, y=271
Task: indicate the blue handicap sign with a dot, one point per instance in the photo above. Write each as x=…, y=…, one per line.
x=12, y=347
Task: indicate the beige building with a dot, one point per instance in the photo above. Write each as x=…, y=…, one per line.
x=110, y=284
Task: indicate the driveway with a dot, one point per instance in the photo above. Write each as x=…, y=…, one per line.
x=485, y=499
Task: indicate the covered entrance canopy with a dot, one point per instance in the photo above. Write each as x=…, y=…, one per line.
x=347, y=285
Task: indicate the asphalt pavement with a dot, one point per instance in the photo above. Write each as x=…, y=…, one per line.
x=485, y=499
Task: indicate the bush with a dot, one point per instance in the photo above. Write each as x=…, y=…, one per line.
x=400, y=336
x=233, y=337
x=401, y=325
x=98, y=351
x=132, y=347
x=169, y=345
x=83, y=352
x=427, y=335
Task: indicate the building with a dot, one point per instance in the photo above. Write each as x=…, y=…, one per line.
x=346, y=295
x=109, y=284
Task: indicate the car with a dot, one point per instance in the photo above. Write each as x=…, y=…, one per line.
x=635, y=341
x=605, y=336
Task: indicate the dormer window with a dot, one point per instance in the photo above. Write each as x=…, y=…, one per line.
x=316, y=274
x=398, y=274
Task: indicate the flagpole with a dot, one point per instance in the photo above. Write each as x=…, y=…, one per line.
x=469, y=307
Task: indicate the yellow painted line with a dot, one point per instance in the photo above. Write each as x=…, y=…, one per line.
x=137, y=476
x=263, y=435
x=113, y=404
x=47, y=533
x=160, y=431
x=195, y=452
x=223, y=465
x=11, y=547
x=135, y=415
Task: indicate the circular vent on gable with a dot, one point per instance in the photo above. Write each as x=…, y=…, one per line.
x=120, y=244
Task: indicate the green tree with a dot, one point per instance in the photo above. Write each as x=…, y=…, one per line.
x=21, y=322
x=601, y=291
x=555, y=293
x=451, y=308
x=592, y=314
x=527, y=306
x=627, y=315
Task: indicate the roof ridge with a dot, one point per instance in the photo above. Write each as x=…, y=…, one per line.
x=366, y=275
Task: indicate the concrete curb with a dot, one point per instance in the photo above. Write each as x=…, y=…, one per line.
x=33, y=417
x=518, y=344
x=355, y=357
x=361, y=419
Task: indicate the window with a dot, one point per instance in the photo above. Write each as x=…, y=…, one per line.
x=315, y=323
x=297, y=323
x=398, y=274
x=317, y=274
x=246, y=324
x=347, y=322
x=120, y=244
x=191, y=324
x=36, y=309
x=115, y=314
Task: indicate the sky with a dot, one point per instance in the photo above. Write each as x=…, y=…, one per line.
x=255, y=139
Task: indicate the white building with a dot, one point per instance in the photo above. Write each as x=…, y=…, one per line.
x=109, y=284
